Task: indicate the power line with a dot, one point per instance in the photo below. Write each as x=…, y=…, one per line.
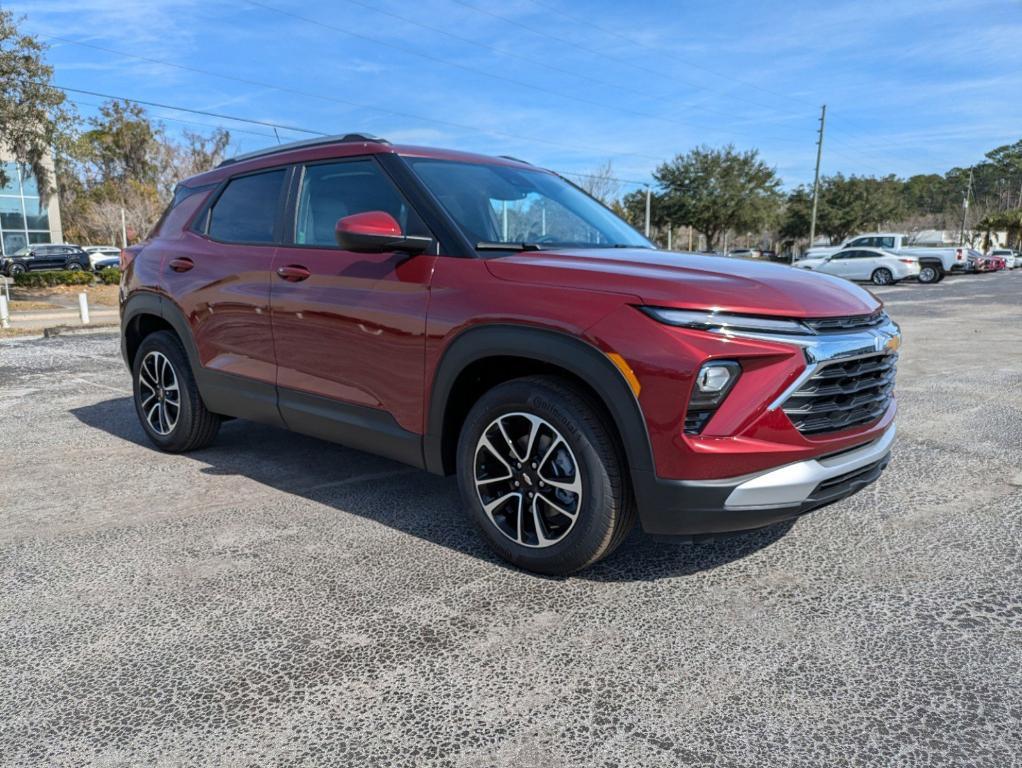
x=614, y=107
x=534, y=61
x=232, y=129
x=348, y=102
x=639, y=43
x=218, y=115
x=687, y=62
x=222, y=116
x=565, y=41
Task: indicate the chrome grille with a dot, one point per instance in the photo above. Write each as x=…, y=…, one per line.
x=849, y=323
x=843, y=394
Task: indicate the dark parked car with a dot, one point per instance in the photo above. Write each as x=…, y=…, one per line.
x=106, y=262
x=39, y=257
x=482, y=317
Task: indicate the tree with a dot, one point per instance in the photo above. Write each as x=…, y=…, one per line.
x=198, y=153
x=126, y=161
x=601, y=183
x=33, y=117
x=716, y=190
x=846, y=205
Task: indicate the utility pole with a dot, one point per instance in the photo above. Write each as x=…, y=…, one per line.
x=816, y=178
x=965, y=209
x=124, y=231
x=668, y=237
x=648, y=194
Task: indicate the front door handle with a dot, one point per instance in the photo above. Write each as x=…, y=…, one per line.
x=181, y=265
x=293, y=273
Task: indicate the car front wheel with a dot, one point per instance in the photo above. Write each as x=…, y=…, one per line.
x=542, y=476
x=167, y=399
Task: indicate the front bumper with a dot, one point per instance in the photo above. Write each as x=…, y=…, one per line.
x=696, y=507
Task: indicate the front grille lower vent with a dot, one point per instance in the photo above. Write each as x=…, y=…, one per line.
x=843, y=394
x=695, y=421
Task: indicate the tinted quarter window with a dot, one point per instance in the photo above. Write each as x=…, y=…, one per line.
x=247, y=208
x=335, y=190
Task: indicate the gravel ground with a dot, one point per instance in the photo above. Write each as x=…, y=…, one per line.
x=278, y=600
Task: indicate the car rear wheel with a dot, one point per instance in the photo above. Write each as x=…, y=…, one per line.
x=929, y=273
x=167, y=399
x=73, y=266
x=542, y=476
x=882, y=276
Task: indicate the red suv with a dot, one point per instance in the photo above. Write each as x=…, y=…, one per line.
x=480, y=316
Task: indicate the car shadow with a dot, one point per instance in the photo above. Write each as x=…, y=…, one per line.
x=327, y=474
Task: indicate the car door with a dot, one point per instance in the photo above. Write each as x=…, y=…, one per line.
x=838, y=264
x=859, y=265
x=218, y=274
x=349, y=328
x=42, y=258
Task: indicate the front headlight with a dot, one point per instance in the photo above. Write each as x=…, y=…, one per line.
x=725, y=322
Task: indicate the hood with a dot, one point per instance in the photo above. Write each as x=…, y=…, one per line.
x=690, y=281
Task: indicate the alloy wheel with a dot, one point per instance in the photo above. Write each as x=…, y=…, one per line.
x=527, y=479
x=158, y=393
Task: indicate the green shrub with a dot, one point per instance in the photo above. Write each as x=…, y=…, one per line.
x=110, y=276
x=55, y=277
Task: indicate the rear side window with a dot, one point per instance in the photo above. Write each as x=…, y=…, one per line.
x=246, y=210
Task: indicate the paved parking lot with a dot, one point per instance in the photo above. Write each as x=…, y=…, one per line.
x=274, y=599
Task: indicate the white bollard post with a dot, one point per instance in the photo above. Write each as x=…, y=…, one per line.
x=5, y=315
x=83, y=307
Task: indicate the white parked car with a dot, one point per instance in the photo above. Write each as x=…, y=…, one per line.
x=934, y=263
x=1011, y=258
x=99, y=253
x=745, y=253
x=873, y=264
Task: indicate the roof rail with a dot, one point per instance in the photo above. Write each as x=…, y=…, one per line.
x=516, y=159
x=319, y=141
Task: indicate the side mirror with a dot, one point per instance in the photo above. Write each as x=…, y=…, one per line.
x=376, y=232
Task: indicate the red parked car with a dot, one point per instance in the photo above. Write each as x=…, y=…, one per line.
x=480, y=316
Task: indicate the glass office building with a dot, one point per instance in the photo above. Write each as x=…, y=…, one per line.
x=23, y=217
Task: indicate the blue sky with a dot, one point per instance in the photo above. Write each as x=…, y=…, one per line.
x=911, y=86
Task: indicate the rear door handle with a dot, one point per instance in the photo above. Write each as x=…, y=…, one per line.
x=181, y=265
x=293, y=273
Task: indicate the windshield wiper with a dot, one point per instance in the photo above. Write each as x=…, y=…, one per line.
x=508, y=247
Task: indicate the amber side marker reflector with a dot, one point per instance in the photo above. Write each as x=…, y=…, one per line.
x=626, y=371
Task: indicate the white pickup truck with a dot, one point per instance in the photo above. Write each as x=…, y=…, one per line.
x=934, y=263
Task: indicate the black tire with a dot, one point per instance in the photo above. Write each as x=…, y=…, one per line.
x=882, y=276
x=604, y=509
x=73, y=266
x=194, y=427
x=15, y=269
x=930, y=273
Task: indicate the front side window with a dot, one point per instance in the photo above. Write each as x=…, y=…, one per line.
x=331, y=191
x=246, y=210
x=498, y=204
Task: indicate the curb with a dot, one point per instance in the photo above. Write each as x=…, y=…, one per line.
x=79, y=330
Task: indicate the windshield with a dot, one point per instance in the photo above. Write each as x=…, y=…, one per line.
x=23, y=251
x=496, y=205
